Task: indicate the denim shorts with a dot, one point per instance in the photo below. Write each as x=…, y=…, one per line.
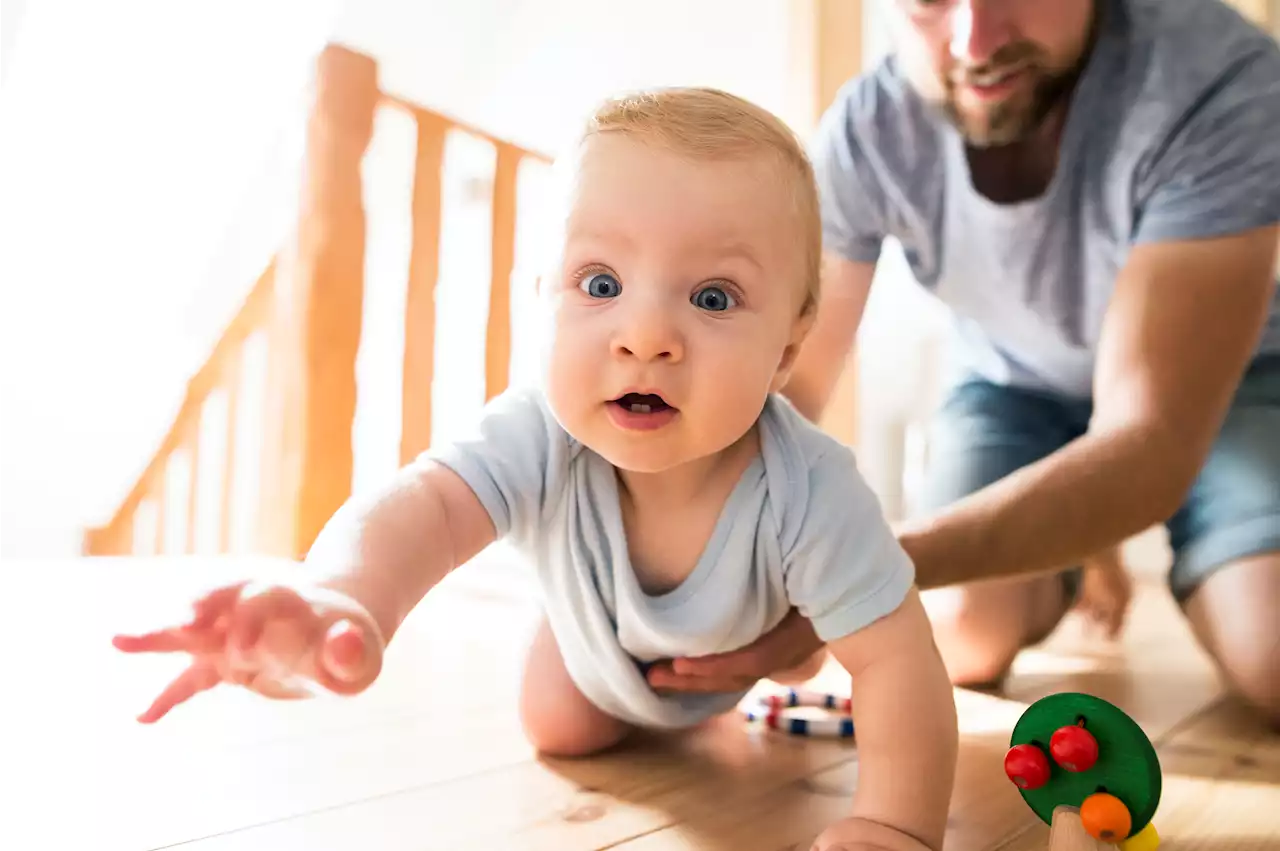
x=983, y=432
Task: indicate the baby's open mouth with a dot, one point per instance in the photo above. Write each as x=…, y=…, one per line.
x=642, y=403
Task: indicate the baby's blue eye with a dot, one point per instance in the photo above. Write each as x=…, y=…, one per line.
x=713, y=298
x=601, y=285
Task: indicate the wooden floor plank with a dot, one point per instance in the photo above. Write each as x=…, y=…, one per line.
x=1232, y=730
x=562, y=805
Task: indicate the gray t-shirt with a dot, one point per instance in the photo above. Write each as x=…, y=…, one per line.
x=801, y=528
x=1173, y=133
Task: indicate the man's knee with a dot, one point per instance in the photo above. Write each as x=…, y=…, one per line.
x=981, y=628
x=1252, y=671
x=1233, y=613
x=1256, y=676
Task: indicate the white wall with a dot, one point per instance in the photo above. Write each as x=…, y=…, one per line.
x=526, y=69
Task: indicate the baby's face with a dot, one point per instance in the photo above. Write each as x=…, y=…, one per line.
x=674, y=304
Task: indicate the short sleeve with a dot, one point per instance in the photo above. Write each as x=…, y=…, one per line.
x=513, y=459
x=846, y=569
x=852, y=210
x=1218, y=172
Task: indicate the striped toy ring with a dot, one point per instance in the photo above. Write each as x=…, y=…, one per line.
x=777, y=712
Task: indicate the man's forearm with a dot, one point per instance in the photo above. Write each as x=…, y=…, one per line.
x=1050, y=515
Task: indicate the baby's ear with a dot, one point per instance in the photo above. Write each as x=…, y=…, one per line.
x=799, y=331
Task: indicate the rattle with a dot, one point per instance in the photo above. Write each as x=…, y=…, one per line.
x=778, y=712
x=1088, y=771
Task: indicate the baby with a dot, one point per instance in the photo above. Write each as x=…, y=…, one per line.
x=673, y=504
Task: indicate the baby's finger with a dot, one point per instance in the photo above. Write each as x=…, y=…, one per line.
x=160, y=641
x=200, y=676
x=215, y=604
x=172, y=640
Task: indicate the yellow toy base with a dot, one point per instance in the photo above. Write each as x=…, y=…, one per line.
x=1145, y=840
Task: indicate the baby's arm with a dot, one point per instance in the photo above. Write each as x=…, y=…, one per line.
x=372, y=563
x=387, y=550
x=847, y=574
x=905, y=721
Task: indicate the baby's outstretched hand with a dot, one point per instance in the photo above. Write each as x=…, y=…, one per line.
x=276, y=640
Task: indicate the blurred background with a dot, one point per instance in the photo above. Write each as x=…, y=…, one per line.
x=257, y=254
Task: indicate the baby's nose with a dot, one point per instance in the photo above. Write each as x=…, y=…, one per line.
x=649, y=338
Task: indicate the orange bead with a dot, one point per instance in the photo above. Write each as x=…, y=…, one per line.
x=1105, y=817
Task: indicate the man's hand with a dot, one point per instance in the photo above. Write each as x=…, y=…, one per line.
x=1105, y=592
x=789, y=645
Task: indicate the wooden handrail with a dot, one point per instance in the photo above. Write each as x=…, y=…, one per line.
x=307, y=306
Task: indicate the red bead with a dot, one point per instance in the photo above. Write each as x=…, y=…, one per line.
x=1027, y=766
x=1074, y=748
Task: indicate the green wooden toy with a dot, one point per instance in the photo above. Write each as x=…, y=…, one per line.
x=1079, y=751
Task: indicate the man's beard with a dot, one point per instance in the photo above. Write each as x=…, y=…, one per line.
x=1014, y=119
x=1017, y=117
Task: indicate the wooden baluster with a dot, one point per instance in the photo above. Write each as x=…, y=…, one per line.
x=316, y=315
x=497, y=352
x=193, y=484
x=115, y=538
x=118, y=539
x=159, y=493
x=122, y=537
x=231, y=382
x=420, y=301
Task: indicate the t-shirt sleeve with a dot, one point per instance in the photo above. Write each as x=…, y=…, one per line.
x=1218, y=171
x=513, y=459
x=852, y=208
x=846, y=569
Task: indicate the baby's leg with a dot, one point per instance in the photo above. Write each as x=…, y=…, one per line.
x=557, y=719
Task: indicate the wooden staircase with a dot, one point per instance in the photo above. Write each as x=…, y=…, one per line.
x=260, y=453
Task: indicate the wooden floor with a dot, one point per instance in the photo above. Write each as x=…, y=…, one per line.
x=432, y=757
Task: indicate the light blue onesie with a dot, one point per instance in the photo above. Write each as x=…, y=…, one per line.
x=800, y=528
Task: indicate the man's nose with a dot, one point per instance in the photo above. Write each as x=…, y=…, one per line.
x=648, y=332
x=979, y=29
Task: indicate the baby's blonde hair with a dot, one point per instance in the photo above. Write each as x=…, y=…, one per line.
x=713, y=124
